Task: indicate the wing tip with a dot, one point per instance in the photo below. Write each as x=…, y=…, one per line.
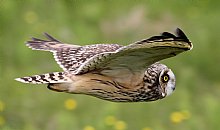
x=49, y=37
x=181, y=35
x=41, y=44
x=178, y=35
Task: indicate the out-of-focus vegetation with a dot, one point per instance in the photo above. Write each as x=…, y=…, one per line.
x=195, y=105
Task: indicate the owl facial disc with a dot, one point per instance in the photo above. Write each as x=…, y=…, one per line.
x=167, y=82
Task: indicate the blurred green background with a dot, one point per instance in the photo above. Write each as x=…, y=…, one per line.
x=194, y=105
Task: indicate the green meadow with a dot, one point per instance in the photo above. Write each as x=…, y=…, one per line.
x=195, y=104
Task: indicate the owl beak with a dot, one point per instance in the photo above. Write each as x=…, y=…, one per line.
x=163, y=94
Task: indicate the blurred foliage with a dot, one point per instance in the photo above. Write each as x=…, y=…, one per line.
x=194, y=105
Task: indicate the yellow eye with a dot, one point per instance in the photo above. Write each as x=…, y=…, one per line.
x=165, y=78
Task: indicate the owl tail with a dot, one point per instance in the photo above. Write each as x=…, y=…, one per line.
x=55, y=77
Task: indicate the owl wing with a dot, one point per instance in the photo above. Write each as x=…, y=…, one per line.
x=69, y=57
x=134, y=58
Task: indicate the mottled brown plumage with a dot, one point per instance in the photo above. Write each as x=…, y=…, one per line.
x=113, y=72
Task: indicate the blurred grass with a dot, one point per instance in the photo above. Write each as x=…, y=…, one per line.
x=194, y=105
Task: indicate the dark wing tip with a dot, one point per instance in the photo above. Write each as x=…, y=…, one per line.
x=37, y=40
x=181, y=35
x=168, y=35
x=163, y=36
x=41, y=44
x=49, y=37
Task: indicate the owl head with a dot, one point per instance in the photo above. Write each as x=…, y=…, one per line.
x=159, y=81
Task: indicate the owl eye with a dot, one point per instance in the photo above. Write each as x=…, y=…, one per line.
x=165, y=78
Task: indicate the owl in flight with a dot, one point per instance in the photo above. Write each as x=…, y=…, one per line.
x=113, y=72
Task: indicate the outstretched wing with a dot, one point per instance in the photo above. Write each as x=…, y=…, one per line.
x=134, y=58
x=69, y=57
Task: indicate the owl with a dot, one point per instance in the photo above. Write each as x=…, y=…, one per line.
x=113, y=72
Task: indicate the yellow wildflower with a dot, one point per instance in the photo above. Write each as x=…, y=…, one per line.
x=70, y=104
x=88, y=128
x=176, y=117
x=110, y=120
x=120, y=125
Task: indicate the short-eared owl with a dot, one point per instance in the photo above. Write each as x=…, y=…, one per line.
x=113, y=72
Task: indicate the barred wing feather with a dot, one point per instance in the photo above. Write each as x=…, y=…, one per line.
x=69, y=57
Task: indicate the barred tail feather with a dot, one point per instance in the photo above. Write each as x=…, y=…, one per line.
x=55, y=77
